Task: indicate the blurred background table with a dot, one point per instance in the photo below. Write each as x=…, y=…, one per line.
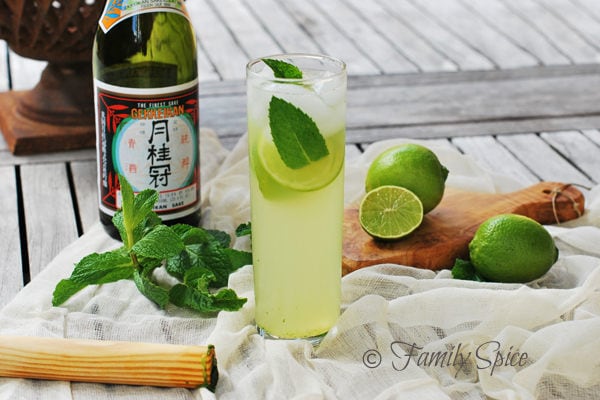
x=513, y=83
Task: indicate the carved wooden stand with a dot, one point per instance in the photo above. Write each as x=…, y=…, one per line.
x=58, y=114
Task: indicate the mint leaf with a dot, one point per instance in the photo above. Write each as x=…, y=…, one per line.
x=191, y=234
x=208, y=255
x=102, y=268
x=143, y=204
x=199, y=278
x=149, y=288
x=209, y=250
x=127, y=198
x=222, y=237
x=243, y=229
x=464, y=270
x=282, y=69
x=238, y=258
x=64, y=290
x=94, y=269
x=145, y=226
x=204, y=301
x=296, y=136
x=136, y=216
x=227, y=299
x=161, y=242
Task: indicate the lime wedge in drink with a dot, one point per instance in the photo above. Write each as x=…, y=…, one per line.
x=313, y=176
x=390, y=212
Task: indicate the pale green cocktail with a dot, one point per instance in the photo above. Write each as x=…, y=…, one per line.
x=296, y=134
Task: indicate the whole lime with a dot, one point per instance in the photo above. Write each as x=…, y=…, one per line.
x=412, y=166
x=512, y=248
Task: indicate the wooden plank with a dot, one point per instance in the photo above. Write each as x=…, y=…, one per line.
x=578, y=19
x=453, y=16
x=445, y=42
x=225, y=114
x=433, y=78
x=206, y=71
x=247, y=31
x=578, y=149
x=6, y=158
x=593, y=135
x=390, y=56
x=444, y=143
x=589, y=6
x=331, y=41
x=474, y=101
x=283, y=28
x=11, y=273
x=86, y=192
x=49, y=214
x=542, y=160
x=236, y=87
x=472, y=128
x=555, y=30
x=495, y=157
x=501, y=18
x=392, y=19
x=221, y=48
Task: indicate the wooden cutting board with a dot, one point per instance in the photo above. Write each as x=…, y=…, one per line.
x=446, y=231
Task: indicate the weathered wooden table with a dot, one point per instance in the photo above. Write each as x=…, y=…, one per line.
x=511, y=83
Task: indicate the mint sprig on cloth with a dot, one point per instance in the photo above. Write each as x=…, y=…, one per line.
x=200, y=259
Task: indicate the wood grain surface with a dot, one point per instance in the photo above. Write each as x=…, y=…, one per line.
x=130, y=363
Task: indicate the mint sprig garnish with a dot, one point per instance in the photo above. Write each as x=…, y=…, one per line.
x=201, y=259
x=296, y=136
x=282, y=69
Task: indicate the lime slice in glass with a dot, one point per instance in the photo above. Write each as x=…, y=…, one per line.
x=313, y=176
x=390, y=212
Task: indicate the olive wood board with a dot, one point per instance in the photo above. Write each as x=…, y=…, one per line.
x=446, y=231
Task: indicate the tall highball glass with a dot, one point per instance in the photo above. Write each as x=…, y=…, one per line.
x=296, y=137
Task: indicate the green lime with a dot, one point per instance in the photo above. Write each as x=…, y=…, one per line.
x=411, y=166
x=390, y=212
x=512, y=248
x=313, y=176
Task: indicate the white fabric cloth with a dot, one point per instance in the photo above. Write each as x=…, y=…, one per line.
x=403, y=332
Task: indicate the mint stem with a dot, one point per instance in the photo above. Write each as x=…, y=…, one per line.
x=135, y=261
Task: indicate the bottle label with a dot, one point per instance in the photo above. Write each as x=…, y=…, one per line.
x=117, y=10
x=150, y=136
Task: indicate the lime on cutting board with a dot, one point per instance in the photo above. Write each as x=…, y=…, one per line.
x=390, y=212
